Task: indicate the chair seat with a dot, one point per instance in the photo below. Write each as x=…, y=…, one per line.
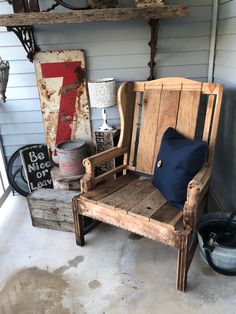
x=136, y=197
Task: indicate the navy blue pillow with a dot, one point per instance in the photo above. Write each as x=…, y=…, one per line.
x=178, y=160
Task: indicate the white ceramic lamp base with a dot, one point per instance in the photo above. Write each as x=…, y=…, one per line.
x=105, y=126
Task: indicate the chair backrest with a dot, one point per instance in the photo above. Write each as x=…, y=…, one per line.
x=147, y=109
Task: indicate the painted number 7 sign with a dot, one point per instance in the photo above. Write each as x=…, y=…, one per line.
x=63, y=96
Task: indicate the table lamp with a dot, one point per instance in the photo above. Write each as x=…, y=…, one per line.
x=4, y=73
x=102, y=94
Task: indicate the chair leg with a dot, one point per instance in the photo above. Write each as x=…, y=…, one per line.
x=182, y=265
x=80, y=231
x=79, y=225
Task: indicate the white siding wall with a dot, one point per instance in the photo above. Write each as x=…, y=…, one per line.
x=117, y=50
x=224, y=178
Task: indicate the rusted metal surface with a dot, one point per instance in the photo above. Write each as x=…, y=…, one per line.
x=70, y=157
x=63, y=96
x=20, y=6
x=154, y=24
x=26, y=36
x=25, y=33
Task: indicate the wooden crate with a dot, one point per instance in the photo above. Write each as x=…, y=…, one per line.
x=64, y=182
x=52, y=209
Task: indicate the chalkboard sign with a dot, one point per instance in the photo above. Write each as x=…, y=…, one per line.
x=37, y=166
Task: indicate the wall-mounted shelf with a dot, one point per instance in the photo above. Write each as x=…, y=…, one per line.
x=22, y=24
x=90, y=16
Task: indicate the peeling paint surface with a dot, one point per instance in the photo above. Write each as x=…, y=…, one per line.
x=63, y=96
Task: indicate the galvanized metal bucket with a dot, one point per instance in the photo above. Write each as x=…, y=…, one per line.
x=70, y=157
x=217, y=241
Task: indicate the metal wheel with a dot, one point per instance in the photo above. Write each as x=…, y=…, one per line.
x=16, y=174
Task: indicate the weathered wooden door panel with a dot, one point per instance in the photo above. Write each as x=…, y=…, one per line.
x=63, y=96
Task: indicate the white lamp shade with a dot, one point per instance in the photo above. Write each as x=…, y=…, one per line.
x=102, y=93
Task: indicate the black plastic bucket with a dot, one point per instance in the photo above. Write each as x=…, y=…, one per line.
x=217, y=241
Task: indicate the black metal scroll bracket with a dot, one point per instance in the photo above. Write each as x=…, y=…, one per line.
x=154, y=24
x=26, y=36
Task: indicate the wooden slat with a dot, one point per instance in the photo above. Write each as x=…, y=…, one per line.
x=134, y=131
x=138, y=224
x=107, y=188
x=188, y=112
x=176, y=219
x=61, y=197
x=215, y=123
x=55, y=225
x=60, y=216
x=152, y=203
x=126, y=103
x=130, y=195
x=107, y=174
x=177, y=83
x=208, y=118
x=105, y=156
x=148, y=130
x=167, y=116
x=89, y=16
x=168, y=215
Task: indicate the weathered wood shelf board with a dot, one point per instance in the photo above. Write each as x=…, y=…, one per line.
x=89, y=16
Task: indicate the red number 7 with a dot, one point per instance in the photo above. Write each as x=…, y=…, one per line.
x=68, y=91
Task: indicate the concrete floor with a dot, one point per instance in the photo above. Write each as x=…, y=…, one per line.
x=43, y=271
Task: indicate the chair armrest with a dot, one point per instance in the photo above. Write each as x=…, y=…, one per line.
x=102, y=157
x=197, y=186
x=196, y=190
x=89, y=179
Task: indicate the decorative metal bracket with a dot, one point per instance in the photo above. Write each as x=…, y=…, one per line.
x=26, y=37
x=154, y=24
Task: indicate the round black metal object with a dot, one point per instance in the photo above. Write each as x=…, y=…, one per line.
x=217, y=239
x=16, y=175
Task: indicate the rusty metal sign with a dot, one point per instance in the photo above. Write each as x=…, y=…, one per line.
x=63, y=96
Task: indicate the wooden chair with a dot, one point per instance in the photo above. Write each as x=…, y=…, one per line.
x=130, y=201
